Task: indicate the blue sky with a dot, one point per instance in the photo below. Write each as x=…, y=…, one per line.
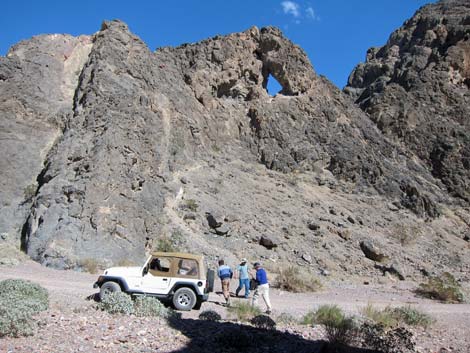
x=335, y=33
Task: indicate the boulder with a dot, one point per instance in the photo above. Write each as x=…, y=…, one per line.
x=268, y=243
x=372, y=252
x=212, y=221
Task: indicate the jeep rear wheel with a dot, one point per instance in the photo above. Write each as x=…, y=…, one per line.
x=184, y=299
x=109, y=287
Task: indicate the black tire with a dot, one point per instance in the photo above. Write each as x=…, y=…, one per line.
x=198, y=305
x=210, y=280
x=184, y=299
x=109, y=287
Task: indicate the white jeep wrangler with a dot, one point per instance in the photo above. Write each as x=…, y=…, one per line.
x=177, y=278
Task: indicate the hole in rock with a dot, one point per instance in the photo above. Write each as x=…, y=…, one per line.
x=272, y=86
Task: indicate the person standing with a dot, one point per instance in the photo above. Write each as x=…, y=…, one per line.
x=263, y=287
x=243, y=278
x=225, y=274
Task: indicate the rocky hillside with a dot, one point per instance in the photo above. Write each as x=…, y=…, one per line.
x=416, y=90
x=113, y=150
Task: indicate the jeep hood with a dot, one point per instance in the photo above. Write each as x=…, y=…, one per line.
x=134, y=271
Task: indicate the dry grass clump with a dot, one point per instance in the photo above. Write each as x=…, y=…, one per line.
x=244, y=311
x=340, y=329
x=90, y=265
x=286, y=318
x=293, y=279
x=393, y=317
x=406, y=235
x=444, y=288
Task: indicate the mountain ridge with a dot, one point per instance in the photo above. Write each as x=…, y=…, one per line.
x=154, y=142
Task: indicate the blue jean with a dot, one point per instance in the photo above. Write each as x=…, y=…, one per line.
x=245, y=282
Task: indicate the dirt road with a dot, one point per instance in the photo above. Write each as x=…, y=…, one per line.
x=69, y=291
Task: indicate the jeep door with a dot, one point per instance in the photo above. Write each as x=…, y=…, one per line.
x=158, y=277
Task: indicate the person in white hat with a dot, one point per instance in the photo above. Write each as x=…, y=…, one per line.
x=243, y=278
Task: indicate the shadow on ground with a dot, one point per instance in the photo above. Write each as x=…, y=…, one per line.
x=214, y=336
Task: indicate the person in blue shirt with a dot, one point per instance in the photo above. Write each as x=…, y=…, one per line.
x=243, y=278
x=263, y=287
x=225, y=274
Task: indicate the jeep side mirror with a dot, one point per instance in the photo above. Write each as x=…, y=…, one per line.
x=145, y=270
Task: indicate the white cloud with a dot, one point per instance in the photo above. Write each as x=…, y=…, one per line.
x=310, y=12
x=291, y=8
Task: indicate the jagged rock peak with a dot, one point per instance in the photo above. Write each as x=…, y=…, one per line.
x=109, y=185
x=416, y=89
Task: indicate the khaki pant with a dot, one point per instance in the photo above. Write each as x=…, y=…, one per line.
x=263, y=291
x=226, y=289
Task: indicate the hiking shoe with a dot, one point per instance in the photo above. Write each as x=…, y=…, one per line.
x=268, y=312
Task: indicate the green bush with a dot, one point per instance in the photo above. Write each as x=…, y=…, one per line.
x=191, y=204
x=210, y=315
x=412, y=316
x=308, y=319
x=117, y=303
x=393, y=317
x=340, y=329
x=444, y=288
x=244, y=311
x=385, y=317
x=20, y=300
x=148, y=306
x=165, y=244
x=292, y=279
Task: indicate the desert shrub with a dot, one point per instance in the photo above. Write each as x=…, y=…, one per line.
x=148, y=306
x=166, y=244
x=90, y=265
x=30, y=191
x=244, y=311
x=406, y=235
x=15, y=320
x=444, y=288
x=340, y=329
x=378, y=338
x=286, y=318
x=117, y=303
x=235, y=340
x=210, y=315
x=191, y=204
x=292, y=279
x=27, y=293
x=393, y=317
x=126, y=263
x=19, y=301
x=263, y=322
x=412, y=316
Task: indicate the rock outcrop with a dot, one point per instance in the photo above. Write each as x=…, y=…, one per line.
x=142, y=147
x=416, y=90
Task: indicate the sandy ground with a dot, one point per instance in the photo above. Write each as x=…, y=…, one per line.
x=69, y=291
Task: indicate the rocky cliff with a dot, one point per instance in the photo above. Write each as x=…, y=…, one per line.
x=114, y=150
x=416, y=90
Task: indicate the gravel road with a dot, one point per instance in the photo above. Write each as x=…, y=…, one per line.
x=70, y=308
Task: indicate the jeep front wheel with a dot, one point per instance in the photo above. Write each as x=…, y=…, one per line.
x=109, y=287
x=184, y=299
